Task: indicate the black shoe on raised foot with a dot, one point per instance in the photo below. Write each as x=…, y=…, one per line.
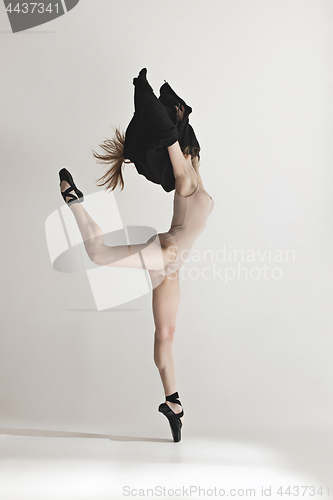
x=65, y=175
x=174, y=418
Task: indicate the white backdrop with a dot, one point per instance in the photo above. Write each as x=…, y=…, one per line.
x=253, y=350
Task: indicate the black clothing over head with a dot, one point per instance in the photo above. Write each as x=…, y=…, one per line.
x=153, y=128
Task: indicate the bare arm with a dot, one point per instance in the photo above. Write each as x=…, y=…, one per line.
x=195, y=163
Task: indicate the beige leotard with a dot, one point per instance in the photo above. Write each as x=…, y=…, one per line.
x=190, y=214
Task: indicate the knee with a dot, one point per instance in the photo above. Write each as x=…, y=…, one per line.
x=93, y=254
x=165, y=333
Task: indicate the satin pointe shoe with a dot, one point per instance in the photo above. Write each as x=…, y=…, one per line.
x=174, y=418
x=65, y=175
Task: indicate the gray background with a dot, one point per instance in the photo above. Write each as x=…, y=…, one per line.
x=252, y=354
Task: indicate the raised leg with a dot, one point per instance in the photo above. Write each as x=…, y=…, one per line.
x=155, y=255
x=165, y=305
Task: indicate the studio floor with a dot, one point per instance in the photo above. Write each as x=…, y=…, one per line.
x=52, y=465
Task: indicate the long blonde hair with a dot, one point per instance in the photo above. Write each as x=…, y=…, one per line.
x=114, y=156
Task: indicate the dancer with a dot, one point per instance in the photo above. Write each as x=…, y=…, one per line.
x=165, y=253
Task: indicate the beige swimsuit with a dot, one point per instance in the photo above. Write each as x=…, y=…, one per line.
x=190, y=214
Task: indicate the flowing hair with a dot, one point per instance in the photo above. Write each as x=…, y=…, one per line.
x=114, y=156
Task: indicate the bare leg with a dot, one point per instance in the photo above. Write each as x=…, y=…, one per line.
x=165, y=306
x=153, y=256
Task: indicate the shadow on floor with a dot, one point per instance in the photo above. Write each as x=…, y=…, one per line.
x=104, y=310
x=64, y=434
x=304, y=451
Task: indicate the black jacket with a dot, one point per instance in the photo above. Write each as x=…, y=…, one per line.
x=153, y=128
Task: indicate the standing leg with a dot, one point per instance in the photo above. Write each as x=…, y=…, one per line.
x=165, y=305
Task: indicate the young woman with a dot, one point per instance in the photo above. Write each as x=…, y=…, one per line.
x=165, y=253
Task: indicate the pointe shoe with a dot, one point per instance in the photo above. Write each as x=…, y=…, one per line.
x=174, y=418
x=65, y=175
